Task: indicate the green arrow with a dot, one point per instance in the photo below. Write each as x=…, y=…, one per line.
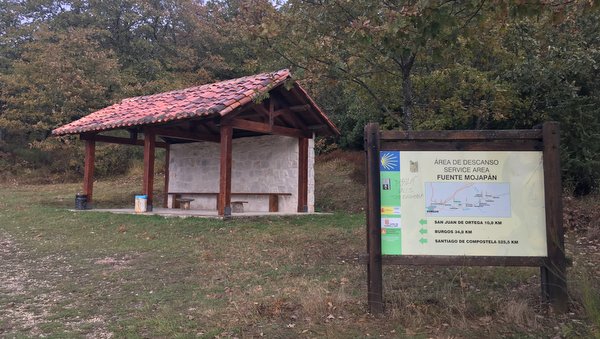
x=422, y=231
x=422, y=221
x=423, y=241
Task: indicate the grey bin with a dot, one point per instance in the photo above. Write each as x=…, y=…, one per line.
x=81, y=201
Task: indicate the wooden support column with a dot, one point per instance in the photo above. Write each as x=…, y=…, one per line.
x=149, y=144
x=303, y=175
x=554, y=273
x=88, y=172
x=271, y=110
x=374, y=266
x=166, y=190
x=224, y=203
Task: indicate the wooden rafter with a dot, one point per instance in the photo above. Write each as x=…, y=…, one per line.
x=199, y=127
x=292, y=119
x=179, y=134
x=286, y=116
x=212, y=126
x=260, y=127
x=295, y=121
x=117, y=140
x=299, y=108
x=291, y=100
x=271, y=110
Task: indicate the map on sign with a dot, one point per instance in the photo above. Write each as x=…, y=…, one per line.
x=467, y=199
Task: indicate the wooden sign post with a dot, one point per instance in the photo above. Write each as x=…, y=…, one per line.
x=465, y=198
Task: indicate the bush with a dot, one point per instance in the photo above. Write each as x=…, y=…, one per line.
x=114, y=160
x=62, y=160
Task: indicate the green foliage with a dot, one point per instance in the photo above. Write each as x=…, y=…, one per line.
x=58, y=78
x=61, y=60
x=591, y=303
x=450, y=65
x=556, y=77
x=406, y=65
x=114, y=160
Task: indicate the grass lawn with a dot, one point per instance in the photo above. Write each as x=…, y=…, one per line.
x=100, y=275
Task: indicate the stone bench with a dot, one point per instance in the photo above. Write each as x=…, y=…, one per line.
x=273, y=197
x=184, y=204
x=238, y=206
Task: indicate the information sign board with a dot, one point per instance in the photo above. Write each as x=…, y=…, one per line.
x=462, y=203
x=468, y=198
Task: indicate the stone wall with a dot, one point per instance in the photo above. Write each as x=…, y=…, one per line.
x=265, y=164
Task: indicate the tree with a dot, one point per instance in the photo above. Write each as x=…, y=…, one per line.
x=368, y=43
x=59, y=77
x=557, y=77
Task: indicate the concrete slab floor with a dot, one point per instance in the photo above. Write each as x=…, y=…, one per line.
x=172, y=212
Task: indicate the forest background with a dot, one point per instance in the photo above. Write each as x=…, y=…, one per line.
x=418, y=65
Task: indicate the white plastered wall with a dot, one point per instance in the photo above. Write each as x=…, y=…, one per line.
x=265, y=164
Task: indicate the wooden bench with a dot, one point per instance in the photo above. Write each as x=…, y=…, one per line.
x=273, y=197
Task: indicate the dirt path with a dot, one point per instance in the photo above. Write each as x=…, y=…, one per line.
x=28, y=293
x=20, y=310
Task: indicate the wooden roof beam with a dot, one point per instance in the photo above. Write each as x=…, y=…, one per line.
x=177, y=134
x=287, y=112
x=286, y=115
x=259, y=127
x=316, y=127
x=117, y=140
x=299, y=108
x=291, y=99
x=200, y=128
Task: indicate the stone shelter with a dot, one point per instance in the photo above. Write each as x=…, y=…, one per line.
x=241, y=144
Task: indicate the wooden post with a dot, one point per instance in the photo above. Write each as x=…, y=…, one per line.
x=88, y=171
x=224, y=204
x=303, y=175
x=148, y=186
x=374, y=266
x=271, y=110
x=273, y=203
x=166, y=190
x=553, y=274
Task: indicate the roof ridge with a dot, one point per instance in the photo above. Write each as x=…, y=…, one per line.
x=272, y=75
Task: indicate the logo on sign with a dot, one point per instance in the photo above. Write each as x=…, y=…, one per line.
x=389, y=161
x=390, y=223
x=390, y=210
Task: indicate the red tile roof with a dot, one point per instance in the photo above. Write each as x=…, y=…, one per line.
x=211, y=99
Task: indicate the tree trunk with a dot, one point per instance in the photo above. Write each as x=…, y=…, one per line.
x=407, y=92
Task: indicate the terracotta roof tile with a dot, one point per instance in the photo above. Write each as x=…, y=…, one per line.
x=216, y=98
